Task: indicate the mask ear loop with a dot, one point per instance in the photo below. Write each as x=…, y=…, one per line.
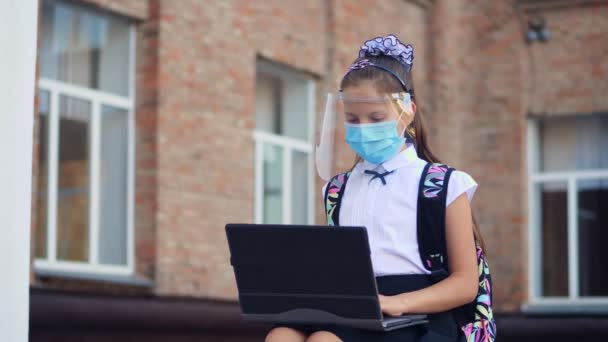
x=410, y=136
x=404, y=106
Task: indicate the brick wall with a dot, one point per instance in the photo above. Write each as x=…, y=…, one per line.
x=207, y=56
x=205, y=146
x=569, y=72
x=492, y=141
x=146, y=118
x=501, y=81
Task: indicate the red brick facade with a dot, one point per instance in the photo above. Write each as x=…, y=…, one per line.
x=477, y=81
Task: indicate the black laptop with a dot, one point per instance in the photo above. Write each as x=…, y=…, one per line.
x=308, y=275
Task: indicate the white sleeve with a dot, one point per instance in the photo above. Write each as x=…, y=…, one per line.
x=323, y=193
x=460, y=182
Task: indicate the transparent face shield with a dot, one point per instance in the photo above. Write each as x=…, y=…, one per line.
x=333, y=154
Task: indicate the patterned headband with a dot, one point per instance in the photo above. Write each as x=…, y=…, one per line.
x=385, y=46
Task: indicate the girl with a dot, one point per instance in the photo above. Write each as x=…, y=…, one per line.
x=385, y=130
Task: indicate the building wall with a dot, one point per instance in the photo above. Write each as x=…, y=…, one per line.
x=504, y=80
x=205, y=123
x=476, y=80
x=568, y=73
x=493, y=142
x=146, y=118
x=207, y=59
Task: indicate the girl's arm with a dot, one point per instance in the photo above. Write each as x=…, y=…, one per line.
x=460, y=287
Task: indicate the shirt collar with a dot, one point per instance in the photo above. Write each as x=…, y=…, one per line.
x=407, y=157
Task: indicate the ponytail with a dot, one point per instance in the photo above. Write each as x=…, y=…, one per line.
x=418, y=132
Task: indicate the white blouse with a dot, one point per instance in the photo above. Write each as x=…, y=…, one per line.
x=389, y=211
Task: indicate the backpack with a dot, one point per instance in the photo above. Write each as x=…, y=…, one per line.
x=476, y=318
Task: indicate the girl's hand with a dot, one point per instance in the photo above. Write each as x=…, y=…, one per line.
x=391, y=305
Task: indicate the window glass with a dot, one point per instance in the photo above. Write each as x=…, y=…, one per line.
x=113, y=186
x=554, y=227
x=73, y=179
x=574, y=143
x=85, y=48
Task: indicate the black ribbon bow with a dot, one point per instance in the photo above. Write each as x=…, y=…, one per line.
x=378, y=175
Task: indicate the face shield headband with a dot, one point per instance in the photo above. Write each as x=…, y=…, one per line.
x=364, y=63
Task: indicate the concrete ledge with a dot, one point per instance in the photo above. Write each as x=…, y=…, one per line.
x=103, y=278
x=68, y=316
x=71, y=316
x=551, y=327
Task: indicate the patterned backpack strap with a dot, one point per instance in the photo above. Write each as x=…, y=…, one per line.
x=476, y=319
x=479, y=322
x=432, y=196
x=333, y=198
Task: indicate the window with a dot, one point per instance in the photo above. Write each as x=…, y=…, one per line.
x=568, y=191
x=85, y=179
x=284, y=112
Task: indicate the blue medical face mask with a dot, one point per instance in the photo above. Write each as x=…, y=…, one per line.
x=375, y=142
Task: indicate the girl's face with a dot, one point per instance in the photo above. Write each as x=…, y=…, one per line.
x=356, y=112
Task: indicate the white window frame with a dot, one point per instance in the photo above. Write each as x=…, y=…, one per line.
x=288, y=146
x=535, y=242
x=97, y=99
